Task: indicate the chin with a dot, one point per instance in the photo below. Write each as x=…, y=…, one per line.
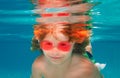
x=55, y=60
x=58, y=61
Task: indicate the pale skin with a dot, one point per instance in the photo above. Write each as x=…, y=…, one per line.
x=68, y=65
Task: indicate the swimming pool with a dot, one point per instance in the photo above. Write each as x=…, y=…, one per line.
x=16, y=22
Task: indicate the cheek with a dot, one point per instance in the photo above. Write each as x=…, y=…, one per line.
x=46, y=53
x=69, y=53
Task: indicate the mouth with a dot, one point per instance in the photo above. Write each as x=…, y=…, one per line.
x=56, y=57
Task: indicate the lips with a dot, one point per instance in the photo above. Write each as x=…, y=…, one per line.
x=56, y=57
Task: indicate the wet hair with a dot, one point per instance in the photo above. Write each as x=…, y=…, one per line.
x=75, y=32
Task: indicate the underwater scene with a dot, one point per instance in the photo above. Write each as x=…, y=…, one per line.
x=16, y=31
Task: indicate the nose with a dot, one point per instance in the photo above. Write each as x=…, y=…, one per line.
x=55, y=52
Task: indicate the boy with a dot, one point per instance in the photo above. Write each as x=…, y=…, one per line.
x=62, y=52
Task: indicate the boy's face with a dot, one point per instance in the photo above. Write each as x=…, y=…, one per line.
x=57, y=49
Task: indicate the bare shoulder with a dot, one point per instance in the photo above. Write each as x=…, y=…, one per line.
x=37, y=67
x=89, y=69
x=85, y=68
x=38, y=63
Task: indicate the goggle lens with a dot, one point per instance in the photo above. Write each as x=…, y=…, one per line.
x=63, y=46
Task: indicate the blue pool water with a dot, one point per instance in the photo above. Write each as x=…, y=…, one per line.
x=16, y=22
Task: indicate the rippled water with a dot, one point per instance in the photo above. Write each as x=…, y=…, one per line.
x=16, y=20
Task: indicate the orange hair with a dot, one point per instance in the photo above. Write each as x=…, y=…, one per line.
x=40, y=31
x=75, y=32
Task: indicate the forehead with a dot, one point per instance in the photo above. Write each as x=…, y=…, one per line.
x=55, y=32
x=56, y=37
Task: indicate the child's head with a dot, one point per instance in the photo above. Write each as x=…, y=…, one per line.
x=59, y=34
x=56, y=47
